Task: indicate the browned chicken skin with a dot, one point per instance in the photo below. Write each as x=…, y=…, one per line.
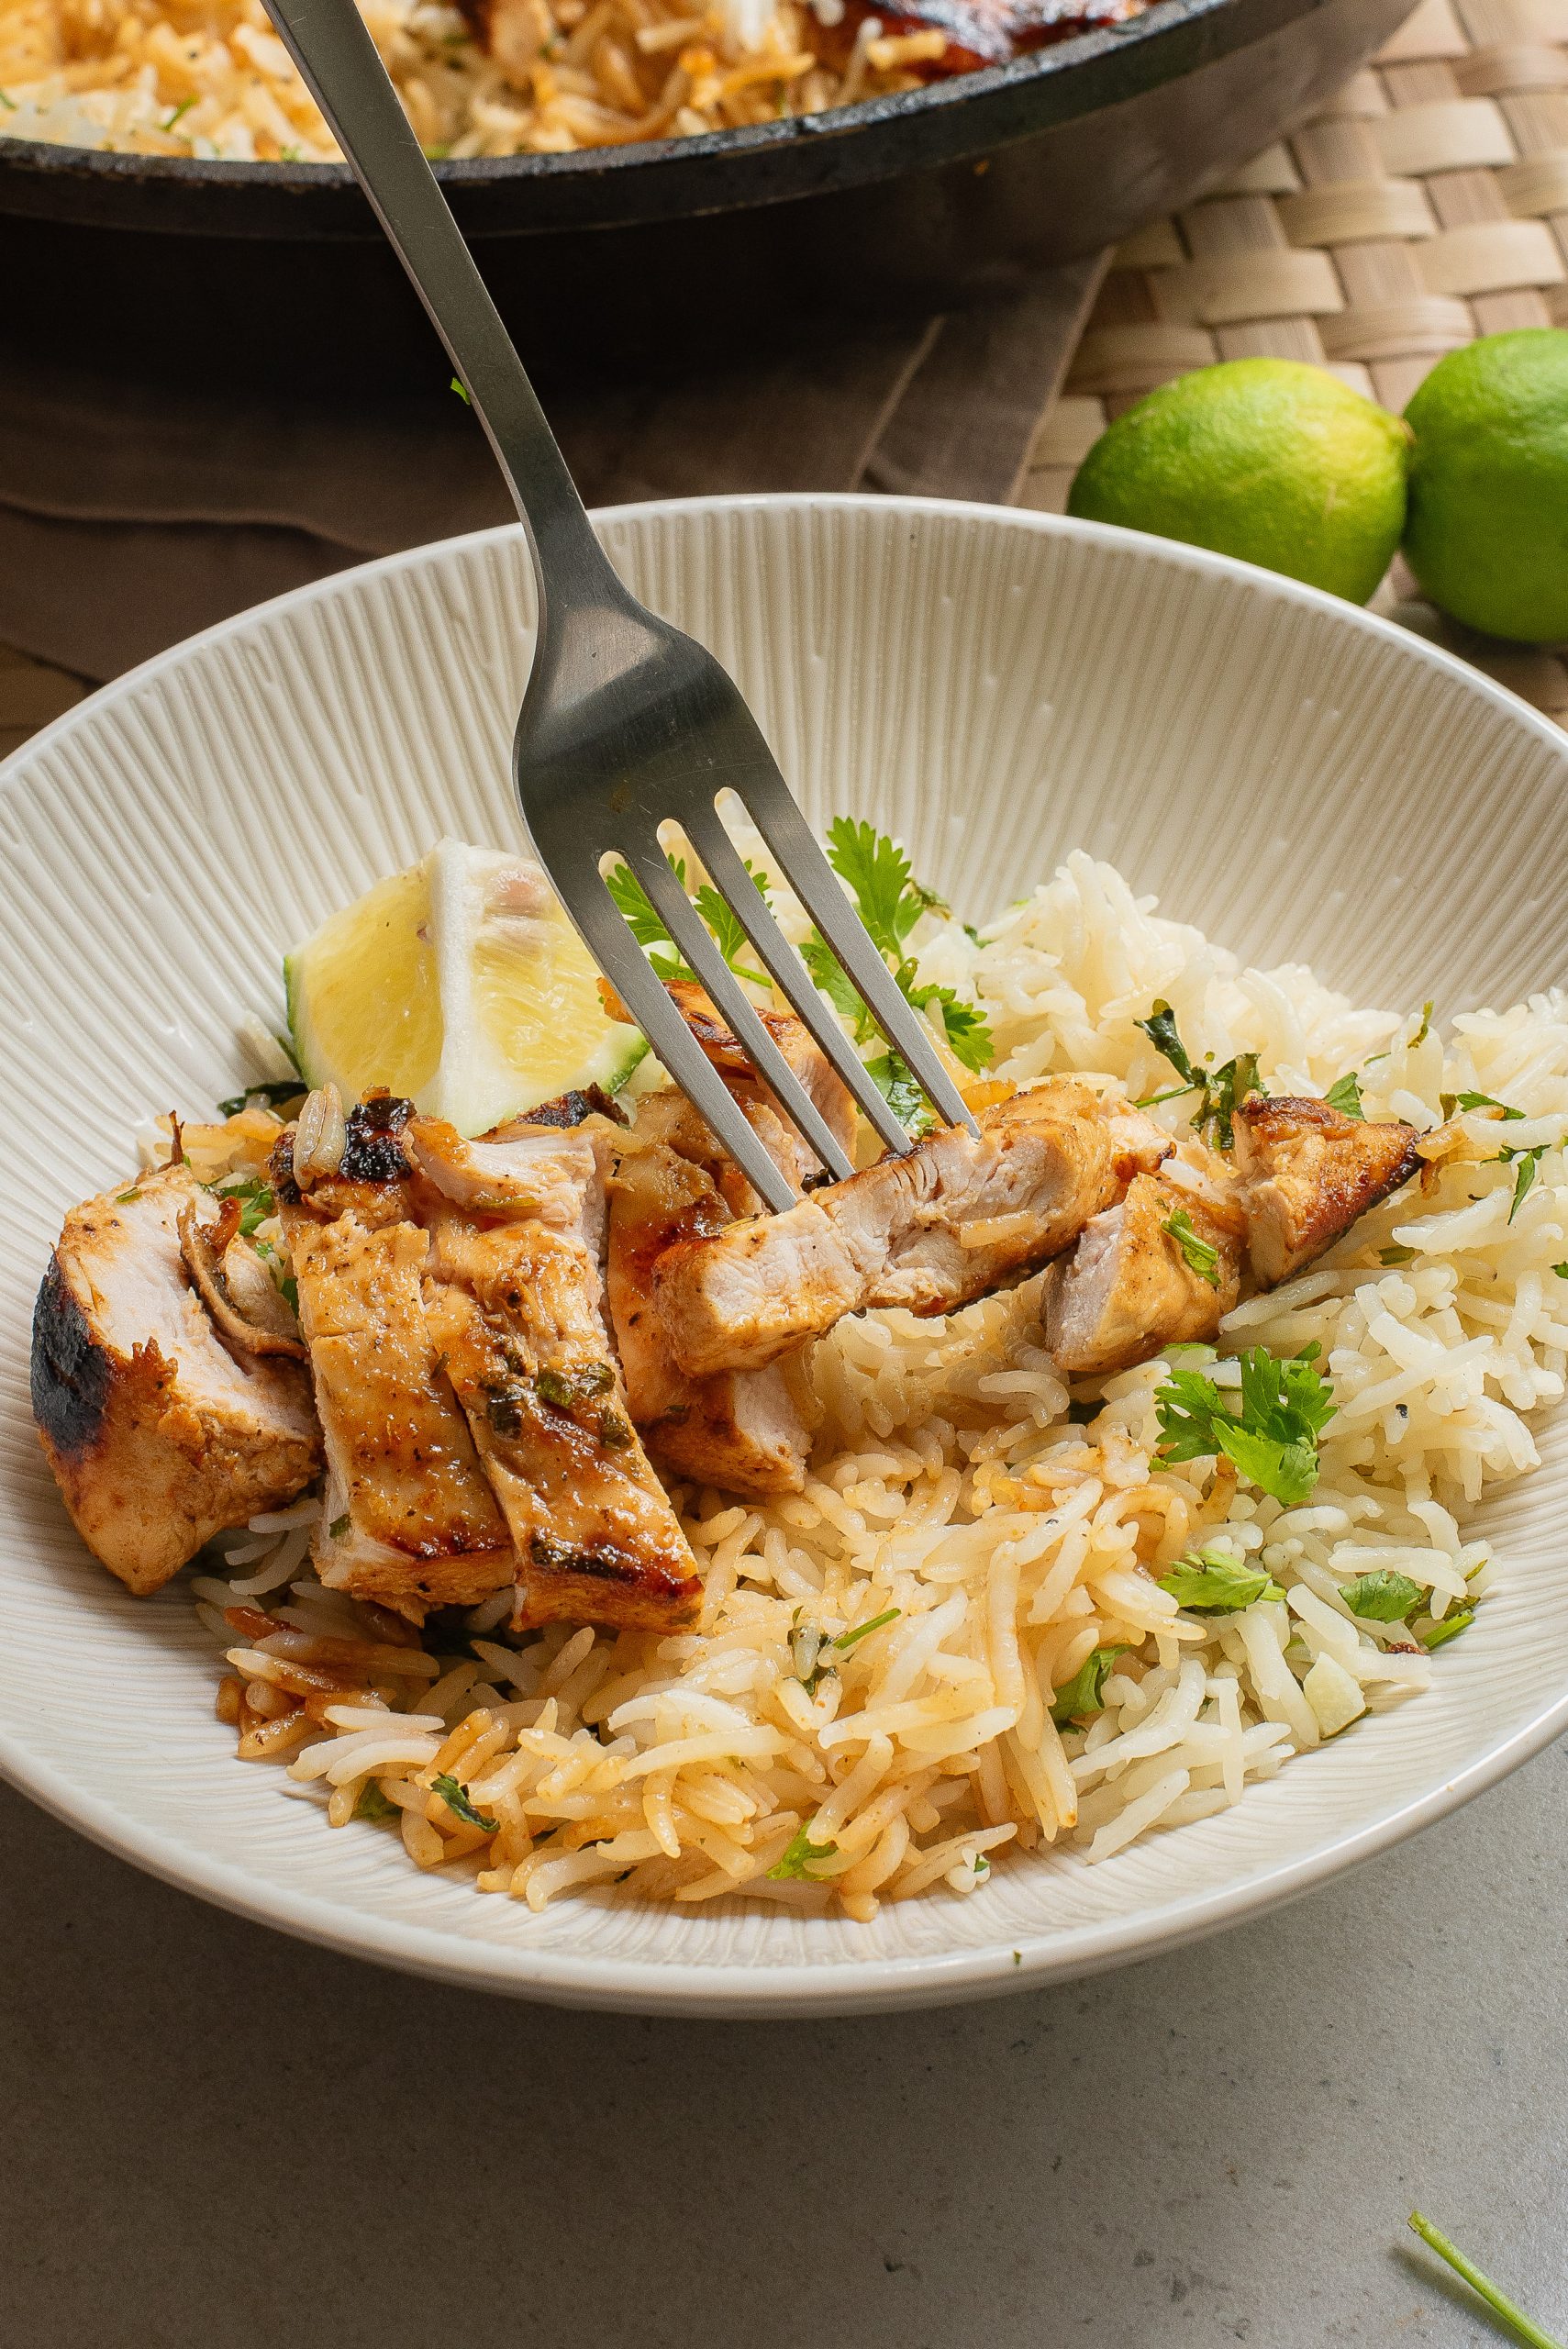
x=1307, y=1172
x=929, y=1231
x=158, y=1433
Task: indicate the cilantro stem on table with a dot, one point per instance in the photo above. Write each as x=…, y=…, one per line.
x=1524, y=2328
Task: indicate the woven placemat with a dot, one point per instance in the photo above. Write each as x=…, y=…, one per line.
x=1426, y=206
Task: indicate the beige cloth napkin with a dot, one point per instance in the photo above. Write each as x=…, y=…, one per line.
x=133, y=514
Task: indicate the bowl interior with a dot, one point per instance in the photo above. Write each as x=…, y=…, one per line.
x=1301, y=781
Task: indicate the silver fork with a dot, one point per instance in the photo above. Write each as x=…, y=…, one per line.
x=627, y=724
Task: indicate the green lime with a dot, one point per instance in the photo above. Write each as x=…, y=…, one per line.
x=1267, y=459
x=1487, y=537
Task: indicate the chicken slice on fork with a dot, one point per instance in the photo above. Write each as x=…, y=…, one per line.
x=515, y=1301
x=745, y=1430
x=162, y=1425
x=929, y=1231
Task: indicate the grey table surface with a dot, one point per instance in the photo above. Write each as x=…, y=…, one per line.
x=216, y=2136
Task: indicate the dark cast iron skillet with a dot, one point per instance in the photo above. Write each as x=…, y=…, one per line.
x=941, y=196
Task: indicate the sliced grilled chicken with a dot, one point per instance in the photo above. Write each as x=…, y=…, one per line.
x=409, y=1517
x=1130, y=1288
x=1307, y=1172
x=930, y=1230
x=749, y=1430
x=159, y=1433
x=516, y=1309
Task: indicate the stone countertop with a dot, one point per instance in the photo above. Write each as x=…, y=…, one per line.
x=216, y=2137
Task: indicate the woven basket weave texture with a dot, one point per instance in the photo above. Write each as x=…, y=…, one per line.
x=1426, y=205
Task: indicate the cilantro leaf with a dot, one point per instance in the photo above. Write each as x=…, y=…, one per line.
x=827, y=973
x=255, y=1196
x=645, y=921
x=1082, y=1693
x=1285, y=1405
x=1456, y=1104
x=456, y=1799
x=1211, y=1582
x=1200, y=1257
x=967, y=1029
x=374, y=1805
x=1162, y=1033
x=1221, y=1090
x=1438, y=1635
x=888, y=899
x=1529, y=1163
x=799, y=1856
x=1345, y=1094
x=890, y=1075
x=1381, y=1596
x=1226, y=1089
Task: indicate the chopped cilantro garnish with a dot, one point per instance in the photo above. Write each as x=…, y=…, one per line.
x=374, y=1805
x=800, y=1855
x=863, y=1631
x=1201, y=1258
x=805, y=1647
x=1345, y=1094
x=564, y=1389
x=183, y=108
x=1220, y=1091
x=1560, y=1270
x=890, y=1075
x=1285, y=1405
x=651, y=932
x=126, y=1197
x=1082, y=1693
x=1394, y=1254
x=1438, y=1635
x=456, y=1800
x=1456, y=1104
x=1212, y=1582
x=271, y=1090
x=461, y=388
x=1529, y=1166
x=9, y=103
x=337, y=1528
x=1524, y=2328
x=257, y=1202
x=1381, y=1596
x=888, y=899
x=1424, y=1030
x=289, y=1289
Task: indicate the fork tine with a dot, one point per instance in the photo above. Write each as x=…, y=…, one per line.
x=726, y=870
x=629, y=970
x=690, y=933
x=815, y=883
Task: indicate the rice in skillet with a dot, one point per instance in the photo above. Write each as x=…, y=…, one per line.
x=865, y=1709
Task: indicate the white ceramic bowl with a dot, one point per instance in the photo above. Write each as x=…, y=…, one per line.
x=1303, y=781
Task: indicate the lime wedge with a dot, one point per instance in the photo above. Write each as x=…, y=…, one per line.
x=459, y=984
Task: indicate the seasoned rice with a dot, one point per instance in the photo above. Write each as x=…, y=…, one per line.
x=211, y=78
x=869, y=1690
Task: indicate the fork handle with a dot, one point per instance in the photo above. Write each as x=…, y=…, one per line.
x=328, y=41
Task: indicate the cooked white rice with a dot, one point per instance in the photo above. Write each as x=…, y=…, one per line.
x=1003, y=1539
